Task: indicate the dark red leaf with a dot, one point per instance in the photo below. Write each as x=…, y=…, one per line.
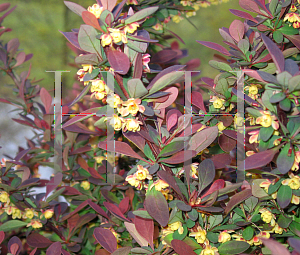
x=182, y=248
x=168, y=178
x=217, y=184
x=172, y=118
x=106, y=239
x=84, y=219
x=81, y=206
x=124, y=205
x=98, y=209
x=33, y=251
x=21, y=57
x=72, y=37
x=180, y=157
x=90, y=19
x=115, y=210
x=54, y=249
x=251, y=6
x=237, y=30
x=216, y=47
x=37, y=240
x=237, y=199
x=14, y=245
x=275, y=52
x=118, y=61
x=81, y=116
x=70, y=191
x=135, y=138
x=243, y=15
x=197, y=100
x=23, y=122
x=46, y=99
x=4, y=7
x=295, y=39
x=226, y=143
x=221, y=160
x=145, y=227
x=275, y=247
x=257, y=160
x=53, y=183
x=2, y=236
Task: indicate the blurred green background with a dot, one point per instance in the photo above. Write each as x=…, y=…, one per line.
x=37, y=23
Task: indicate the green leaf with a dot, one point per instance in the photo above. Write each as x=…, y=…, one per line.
x=248, y=233
x=221, y=86
x=190, y=223
x=11, y=225
x=283, y=221
x=233, y=247
x=294, y=227
x=285, y=104
x=136, y=88
x=148, y=152
x=193, y=215
x=251, y=203
x=277, y=97
x=220, y=65
x=284, y=196
x=283, y=78
x=266, y=100
x=255, y=218
x=226, y=227
x=244, y=45
x=55, y=195
x=294, y=83
x=172, y=148
x=141, y=14
x=104, y=14
x=214, y=220
x=134, y=47
x=288, y=30
x=278, y=36
x=142, y=214
x=87, y=39
x=285, y=162
x=273, y=6
x=265, y=133
x=178, y=236
x=274, y=187
x=212, y=237
x=206, y=174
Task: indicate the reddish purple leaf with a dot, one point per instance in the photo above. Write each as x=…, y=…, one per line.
x=81, y=206
x=84, y=219
x=37, y=240
x=21, y=57
x=197, y=100
x=171, y=98
x=106, y=239
x=295, y=39
x=251, y=6
x=182, y=248
x=54, y=249
x=243, y=15
x=33, y=251
x=23, y=122
x=237, y=199
x=109, y=4
x=72, y=37
x=145, y=227
x=295, y=243
x=157, y=206
x=53, y=183
x=124, y=205
x=90, y=19
x=275, y=247
x=120, y=147
x=14, y=245
x=216, y=47
x=165, y=56
x=4, y=7
x=257, y=160
x=135, y=138
x=118, y=61
x=81, y=117
x=64, y=252
x=237, y=30
x=2, y=236
x=275, y=52
x=172, y=118
x=217, y=184
x=168, y=178
x=180, y=157
x=226, y=143
x=115, y=210
x=76, y=8
x=221, y=160
x=122, y=251
x=46, y=99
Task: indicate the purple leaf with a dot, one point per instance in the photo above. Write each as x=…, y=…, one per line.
x=145, y=227
x=237, y=199
x=206, y=173
x=98, y=209
x=275, y=52
x=106, y=239
x=257, y=160
x=180, y=157
x=118, y=61
x=46, y=99
x=275, y=247
x=221, y=160
x=182, y=248
x=37, y=240
x=237, y=30
x=243, y=15
x=4, y=7
x=216, y=47
x=197, y=100
x=90, y=19
x=168, y=178
x=115, y=210
x=76, y=8
x=14, y=245
x=72, y=37
x=54, y=249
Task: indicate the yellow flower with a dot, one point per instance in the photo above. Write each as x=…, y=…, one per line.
x=48, y=213
x=200, y=235
x=35, y=224
x=16, y=213
x=116, y=122
x=295, y=200
x=160, y=184
x=194, y=170
x=295, y=166
x=131, y=28
x=277, y=229
x=186, y=3
x=292, y=17
x=175, y=225
x=209, y=250
x=99, y=159
x=132, y=125
x=253, y=89
x=267, y=120
x=224, y=237
x=29, y=213
x=4, y=197
x=99, y=95
x=190, y=13
x=87, y=68
x=85, y=185
x=98, y=85
x=106, y=39
x=177, y=18
x=267, y=216
x=166, y=194
x=96, y=10
x=293, y=8
x=293, y=182
x=238, y=237
x=218, y=103
x=296, y=24
x=117, y=35
x=253, y=136
x=133, y=107
x=132, y=180
x=114, y=101
x=221, y=126
x=142, y=173
x=135, y=2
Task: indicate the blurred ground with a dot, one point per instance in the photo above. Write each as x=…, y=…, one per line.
x=37, y=23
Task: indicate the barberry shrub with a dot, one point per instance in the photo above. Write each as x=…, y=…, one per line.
x=144, y=164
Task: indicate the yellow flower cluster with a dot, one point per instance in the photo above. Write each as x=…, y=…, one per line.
x=83, y=71
x=218, y=103
x=293, y=17
x=96, y=10
x=200, y=235
x=253, y=90
x=255, y=240
x=138, y=178
x=267, y=119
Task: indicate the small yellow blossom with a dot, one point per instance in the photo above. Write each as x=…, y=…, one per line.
x=177, y=18
x=292, y=17
x=295, y=200
x=218, y=103
x=253, y=136
x=133, y=106
x=117, y=35
x=267, y=216
x=160, y=184
x=48, y=213
x=29, y=213
x=85, y=185
x=16, y=213
x=4, y=197
x=98, y=85
x=221, y=126
x=175, y=225
x=114, y=101
x=142, y=173
x=106, y=40
x=157, y=27
x=277, y=229
x=132, y=125
x=224, y=237
x=96, y=10
x=293, y=182
x=293, y=8
x=116, y=122
x=209, y=250
x=131, y=28
x=133, y=181
x=267, y=120
x=200, y=235
x=35, y=224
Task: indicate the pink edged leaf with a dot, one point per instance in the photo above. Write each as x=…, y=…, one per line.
x=257, y=160
x=133, y=232
x=109, y=4
x=115, y=210
x=262, y=5
x=179, y=157
x=217, y=184
x=182, y=248
x=197, y=100
x=72, y=37
x=76, y=8
x=253, y=74
x=295, y=39
x=216, y=47
x=172, y=118
x=46, y=99
x=168, y=178
x=226, y=143
x=171, y=98
x=21, y=57
x=98, y=209
x=237, y=199
x=86, y=218
x=119, y=61
x=135, y=138
x=237, y=30
x=275, y=53
x=2, y=236
x=145, y=227
x=38, y=241
x=251, y=6
x=81, y=117
x=243, y=15
x=106, y=239
x=206, y=173
x=90, y=19
x=14, y=245
x=120, y=147
x=275, y=247
x=124, y=205
x=54, y=249
x=157, y=206
x=221, y=160
x=33, y=251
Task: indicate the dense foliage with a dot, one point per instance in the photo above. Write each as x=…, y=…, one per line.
x=163, y=173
